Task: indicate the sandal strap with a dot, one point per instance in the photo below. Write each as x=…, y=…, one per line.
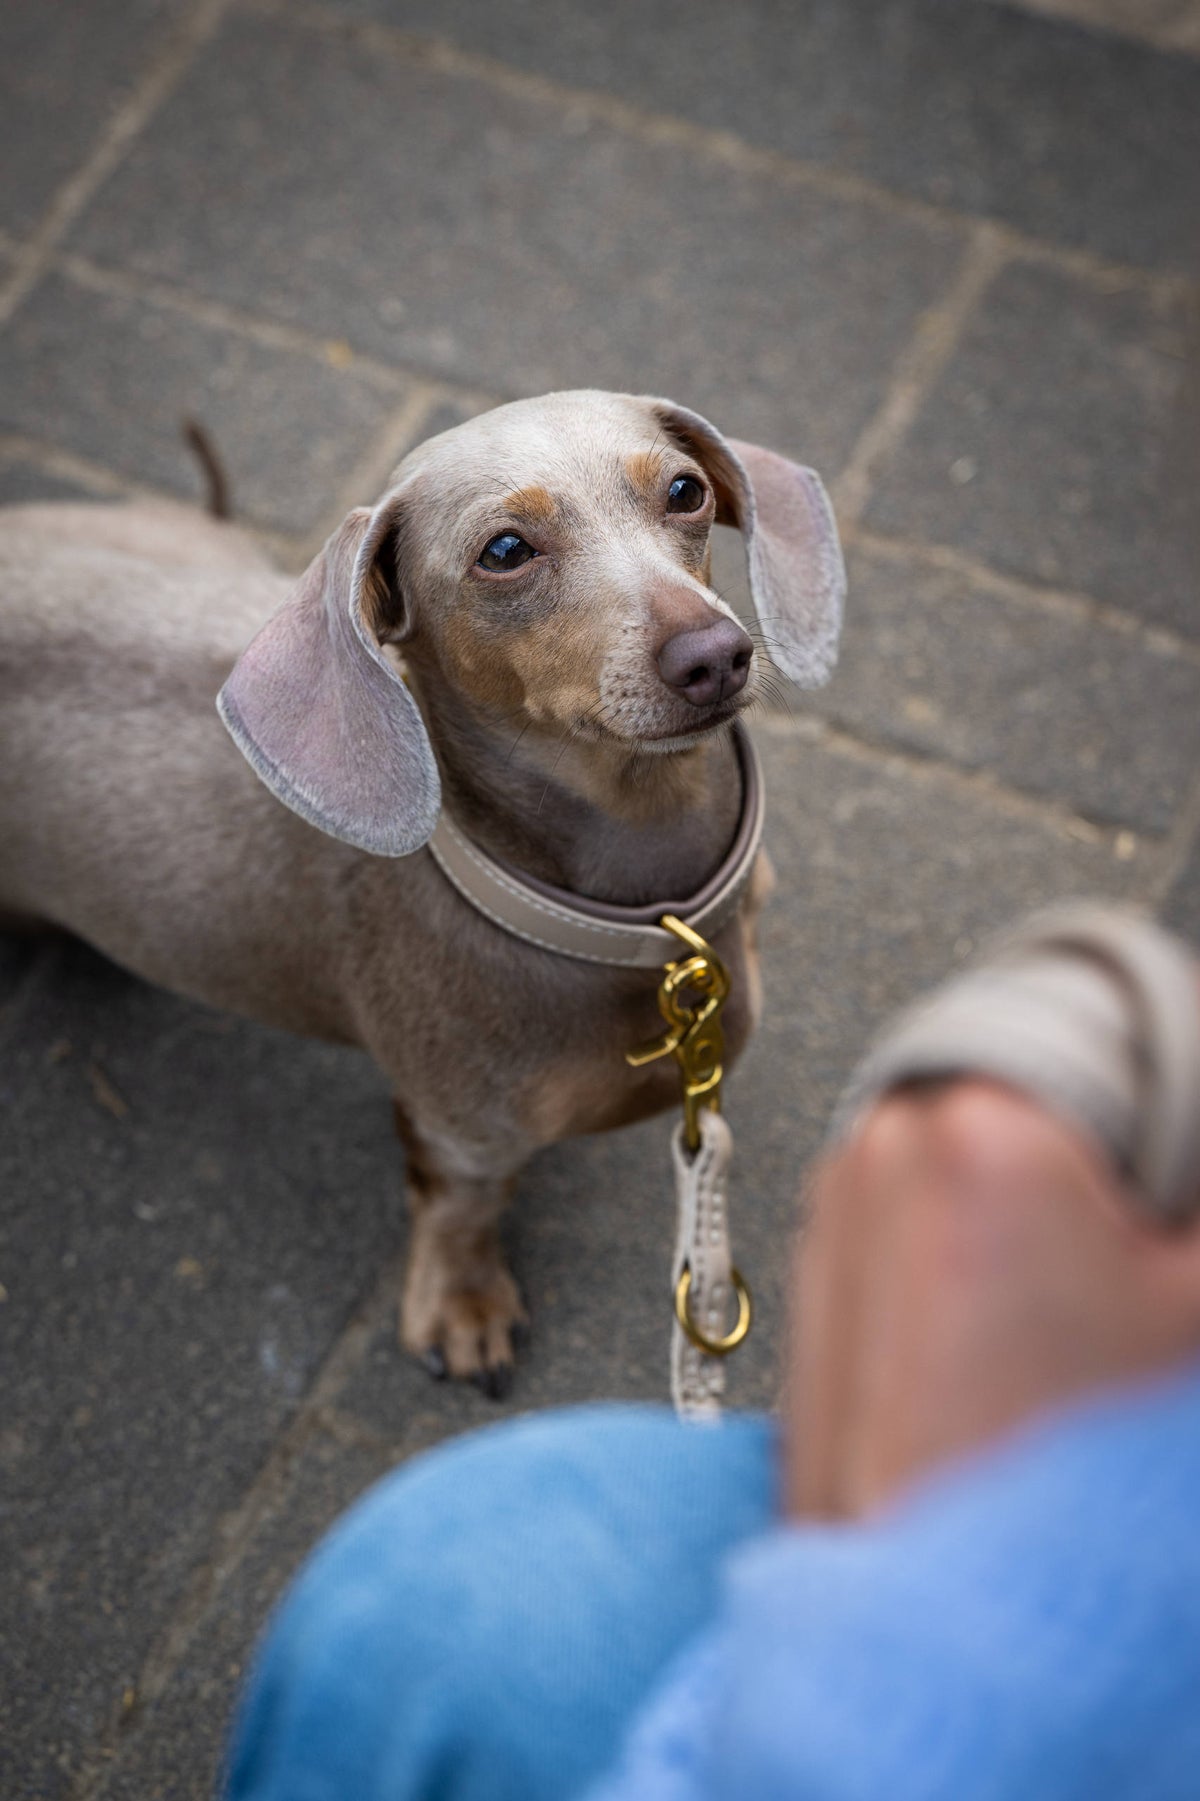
x=1093, y=1011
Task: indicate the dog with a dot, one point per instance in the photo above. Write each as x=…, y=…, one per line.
x=522, y=637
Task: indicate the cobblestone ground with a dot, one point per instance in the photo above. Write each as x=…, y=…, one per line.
x=942, y=252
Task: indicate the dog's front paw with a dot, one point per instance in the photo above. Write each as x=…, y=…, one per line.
x=463, y=1328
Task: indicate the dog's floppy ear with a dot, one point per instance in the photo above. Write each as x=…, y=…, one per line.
x=797, y=577
x=316, y=709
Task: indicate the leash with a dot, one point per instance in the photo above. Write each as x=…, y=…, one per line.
x=703, y=1273
x=695, y=984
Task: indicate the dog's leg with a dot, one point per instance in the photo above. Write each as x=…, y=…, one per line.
x=461, y=1307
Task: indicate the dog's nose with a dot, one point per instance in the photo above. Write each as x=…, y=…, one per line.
x=707, y=665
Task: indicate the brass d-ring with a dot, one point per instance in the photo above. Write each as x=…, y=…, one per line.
x=715, y=1347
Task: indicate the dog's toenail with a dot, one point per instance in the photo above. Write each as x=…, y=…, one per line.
x=434, y=1361
x=495, y=1381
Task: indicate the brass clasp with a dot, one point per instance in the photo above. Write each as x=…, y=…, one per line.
x=694, y=1036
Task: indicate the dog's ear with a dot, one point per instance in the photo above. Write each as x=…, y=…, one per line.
x=797, y=577
x=317, y=710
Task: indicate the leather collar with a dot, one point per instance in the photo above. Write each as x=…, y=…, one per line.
x=592, y=931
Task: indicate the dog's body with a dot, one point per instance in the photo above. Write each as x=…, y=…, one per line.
x=572, y=739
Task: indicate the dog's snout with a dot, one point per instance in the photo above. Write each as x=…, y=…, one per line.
x=707, y=665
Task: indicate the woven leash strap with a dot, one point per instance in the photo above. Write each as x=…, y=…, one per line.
x=701, y=1246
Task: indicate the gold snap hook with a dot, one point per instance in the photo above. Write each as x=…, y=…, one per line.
x=695, y=1038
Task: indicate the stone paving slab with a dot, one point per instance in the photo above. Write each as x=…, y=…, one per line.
x=1048, y=699
x=1052, y=447
x=115, y=378
x=950, y=664
x=192, y=1207
x=63, y=72
x=1061, y=132
x=179, y=1755
x=469, y=236
x=18, y=956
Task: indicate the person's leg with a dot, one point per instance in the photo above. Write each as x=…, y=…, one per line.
x=482, y=1624
x=971, y=1261
x=1012, y=1217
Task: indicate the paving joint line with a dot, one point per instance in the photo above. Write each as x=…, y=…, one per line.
x=938, y=332
x=1169, y=287
x=235, y=1533
x=334, y=353
x=353, y=1434
x=1124, y=840
x=16, y=447
x=1067, y=603
x=370, y=470
x=290, y=551
x=157, y=82
x=104, y=484
x=444, y=56
x=1176, y=34
x=272, y=334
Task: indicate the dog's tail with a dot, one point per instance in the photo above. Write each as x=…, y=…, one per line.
x=215, y=480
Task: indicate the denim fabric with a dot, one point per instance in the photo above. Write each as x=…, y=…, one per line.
x=1023, y=1628
x=482, y=1624
x=502, y=1618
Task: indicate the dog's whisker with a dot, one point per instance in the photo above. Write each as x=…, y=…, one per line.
x=774, y=698
x=567, y=735
x=512, y=747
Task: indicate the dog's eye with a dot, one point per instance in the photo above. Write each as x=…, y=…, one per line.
x=685, y=495
x=506, y=552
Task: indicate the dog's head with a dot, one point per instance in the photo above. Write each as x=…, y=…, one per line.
x=550, y=561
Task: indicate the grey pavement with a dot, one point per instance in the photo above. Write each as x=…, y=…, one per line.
x=944, y=252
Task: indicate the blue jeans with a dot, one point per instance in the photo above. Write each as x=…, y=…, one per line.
x=1023, y=1625
x=483, y=1623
